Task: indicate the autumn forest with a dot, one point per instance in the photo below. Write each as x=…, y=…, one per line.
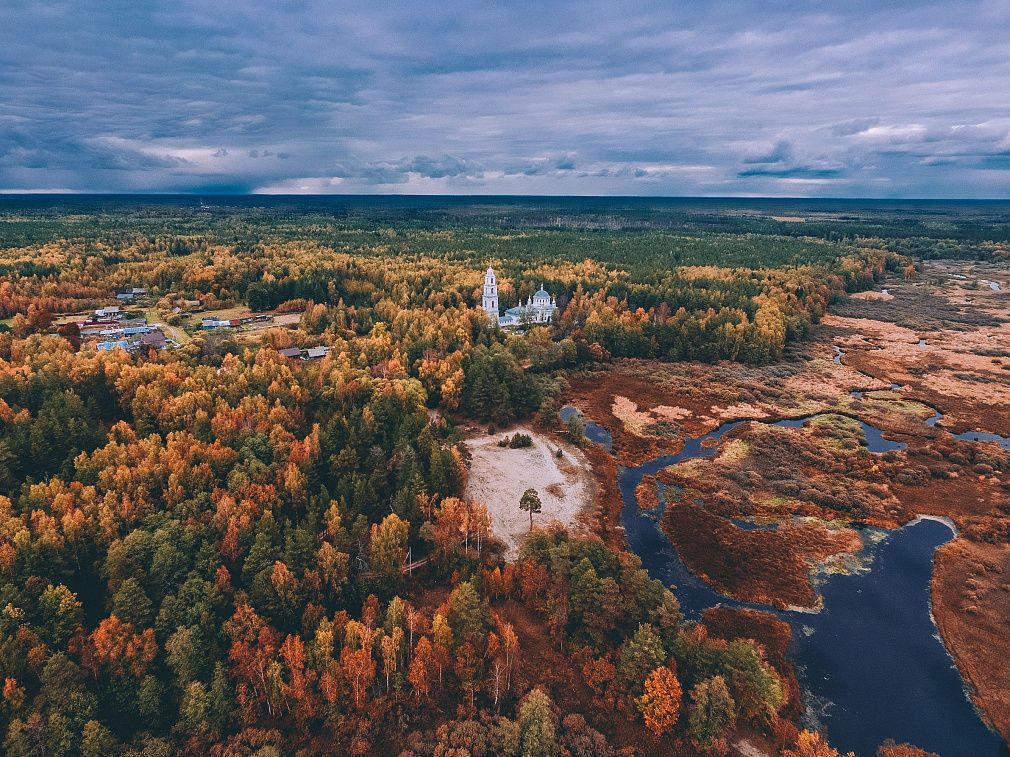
x=211, y=547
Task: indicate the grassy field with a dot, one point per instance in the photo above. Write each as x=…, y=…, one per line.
x=154, y=315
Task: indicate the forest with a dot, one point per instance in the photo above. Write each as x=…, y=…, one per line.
x=213, y=549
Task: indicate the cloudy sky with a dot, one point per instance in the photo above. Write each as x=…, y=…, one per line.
x=848, y=98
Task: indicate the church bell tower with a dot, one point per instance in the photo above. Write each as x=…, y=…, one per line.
x=490, y=299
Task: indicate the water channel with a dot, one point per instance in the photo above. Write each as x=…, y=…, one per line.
x=871, y=662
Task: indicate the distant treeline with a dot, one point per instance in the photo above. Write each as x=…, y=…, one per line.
x=927, y=228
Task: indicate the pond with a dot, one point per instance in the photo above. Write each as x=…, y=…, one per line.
x=984, y=436
x=871, y=662
x=971, y=436
x=594, y=431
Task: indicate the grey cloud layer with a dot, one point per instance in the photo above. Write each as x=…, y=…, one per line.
x=829, y=98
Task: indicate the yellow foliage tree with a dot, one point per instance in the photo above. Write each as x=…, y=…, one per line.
x=660, y=703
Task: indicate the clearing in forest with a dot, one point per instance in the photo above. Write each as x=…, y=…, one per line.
x=499, y=476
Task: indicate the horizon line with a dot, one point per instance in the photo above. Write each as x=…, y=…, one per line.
x=6, y=194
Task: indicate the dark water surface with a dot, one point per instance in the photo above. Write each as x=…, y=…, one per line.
x=984, y=436
x=594, y=431
x=871, y=662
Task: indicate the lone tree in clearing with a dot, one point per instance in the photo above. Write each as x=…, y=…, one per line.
x=531, y=503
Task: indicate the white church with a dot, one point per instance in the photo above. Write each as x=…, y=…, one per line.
x=538, y=309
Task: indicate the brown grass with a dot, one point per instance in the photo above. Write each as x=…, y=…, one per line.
x=646, y=493
x=971, y=603
x=768, y=566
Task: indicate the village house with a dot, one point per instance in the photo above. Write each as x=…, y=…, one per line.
x=154, y=339
x=315, y=353
x=312, y=353
x=150, y=336
x=213, y=322
x=95, y=328
x=130, y=293
x=187, y=306
x=112, y=311
x=118, y=331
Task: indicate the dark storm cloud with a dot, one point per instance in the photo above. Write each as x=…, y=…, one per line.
x=780, y=153
x=557, y=96
x=793, y=172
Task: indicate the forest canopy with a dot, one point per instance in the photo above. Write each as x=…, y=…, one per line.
x=217, y=549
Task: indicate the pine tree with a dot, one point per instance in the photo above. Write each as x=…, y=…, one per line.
x=184, y=654
x=130, y=603
x=222, y=700
x=466, y=614
x=530, y=502
x=638, y=656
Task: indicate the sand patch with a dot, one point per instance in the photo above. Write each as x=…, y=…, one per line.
x=872, y=295
x=499, y=476
x=671, y=413
x=626, y=411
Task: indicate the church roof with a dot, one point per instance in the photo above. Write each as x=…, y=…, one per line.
x=542, y=293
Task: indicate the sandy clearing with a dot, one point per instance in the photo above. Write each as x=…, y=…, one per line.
x=499, y=476
x=871, y=294
x=746, y=749
x=286, y=319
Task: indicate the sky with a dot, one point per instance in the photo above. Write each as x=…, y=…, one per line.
x=763, y=98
